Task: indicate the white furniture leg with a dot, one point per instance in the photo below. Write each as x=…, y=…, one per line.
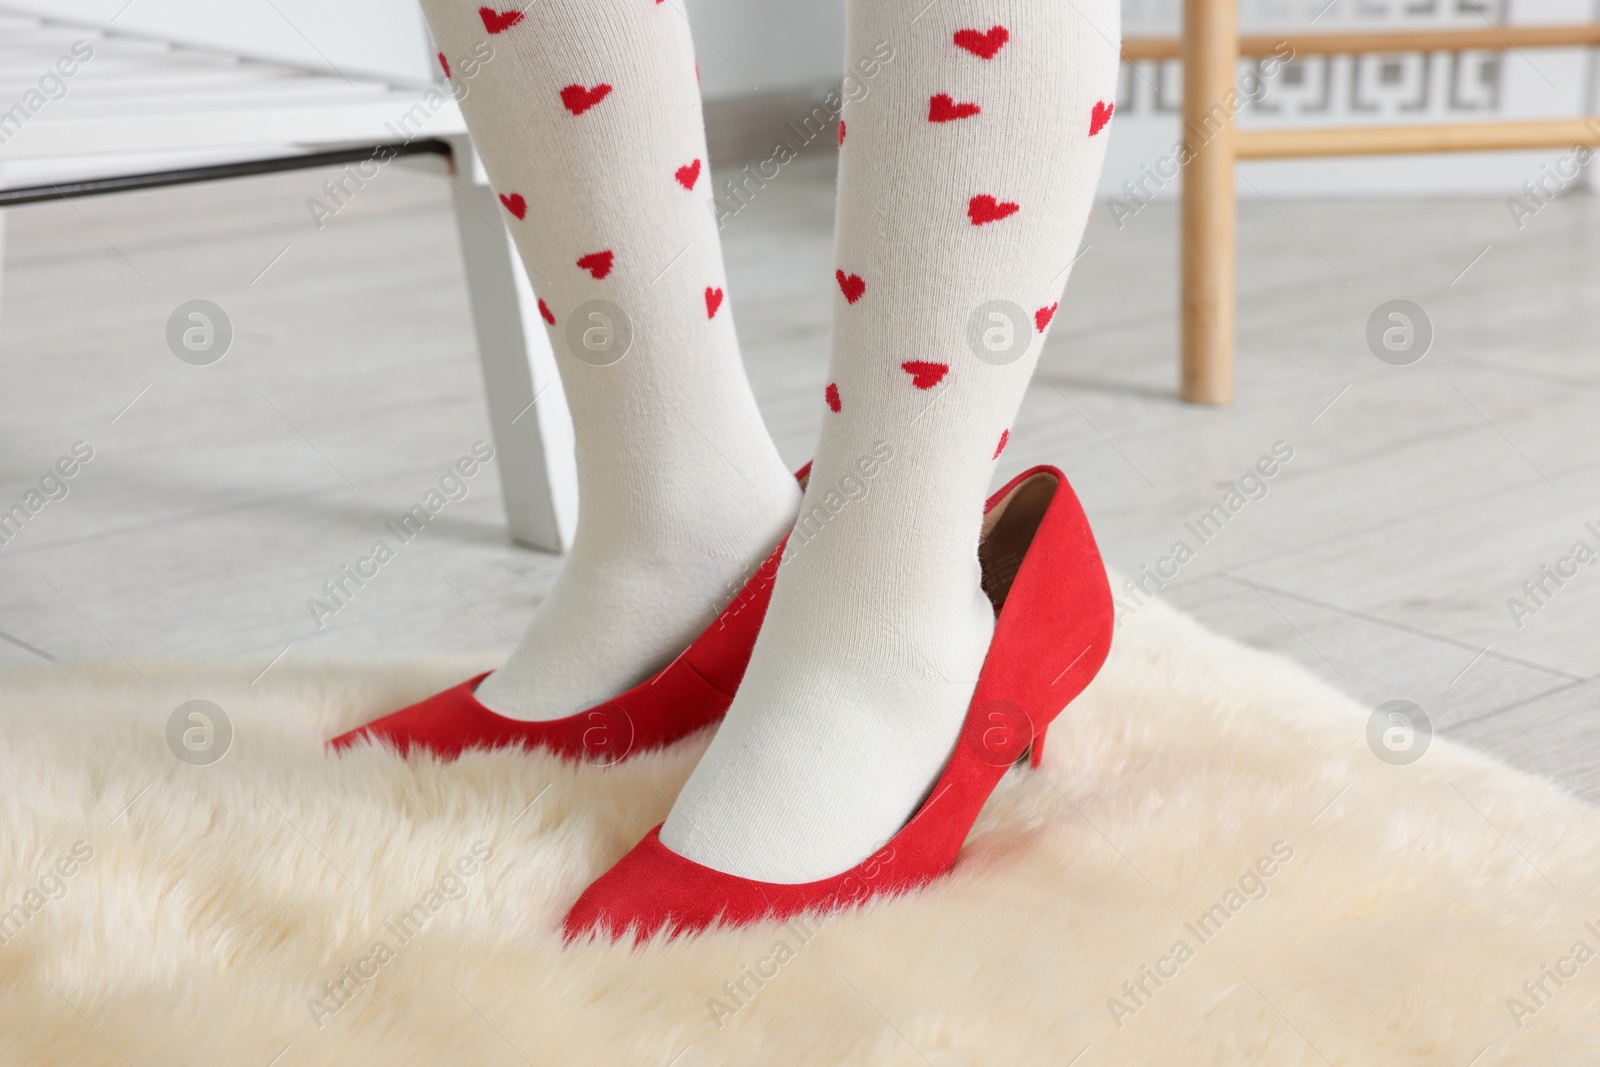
x=3, y=214
x=527, y=409
x=5, y=183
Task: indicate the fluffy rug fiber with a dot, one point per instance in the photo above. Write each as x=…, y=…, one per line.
x=1211, y=868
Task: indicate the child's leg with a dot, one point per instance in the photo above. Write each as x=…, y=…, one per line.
x=587, y=116
x=967, y=174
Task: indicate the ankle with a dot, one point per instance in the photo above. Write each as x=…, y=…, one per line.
x=640, y=584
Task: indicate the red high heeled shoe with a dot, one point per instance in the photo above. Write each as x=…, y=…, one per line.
x=1052, y=632
x=691, y=692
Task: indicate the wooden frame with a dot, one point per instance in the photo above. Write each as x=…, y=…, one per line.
x=1210, y=49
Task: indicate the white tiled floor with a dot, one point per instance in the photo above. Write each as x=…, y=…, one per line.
x=1418, y=499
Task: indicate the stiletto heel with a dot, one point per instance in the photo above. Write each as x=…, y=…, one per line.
x=1044, y=576
x=1036, y=750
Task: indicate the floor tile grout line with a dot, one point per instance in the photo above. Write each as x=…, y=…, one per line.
x=213, y=512
x=1391, y=523
x=1415, y=631
x=1523, y=374
x=1299, y=631
x=1513, y=706
x=20, y=643
x=1265, y=406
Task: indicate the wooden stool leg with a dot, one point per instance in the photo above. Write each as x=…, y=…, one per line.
x=1210, y=56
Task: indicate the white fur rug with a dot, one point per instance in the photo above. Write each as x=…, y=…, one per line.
x=1360, y=913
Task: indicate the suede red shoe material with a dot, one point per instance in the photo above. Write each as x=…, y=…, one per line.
x=691, y=692
x=1053, y=627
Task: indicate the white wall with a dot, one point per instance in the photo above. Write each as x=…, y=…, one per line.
x=746, y=46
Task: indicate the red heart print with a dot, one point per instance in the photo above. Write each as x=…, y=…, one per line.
x=985, y=208
x=982, y=45
x=597, y=263
x=713, y=301
x=1101, y=116
x=578, y=99
x=841, y=131
x=1042, y=317
x=498, y=21
x=689, y=174
x=545, y=313
x=831, y=395
x=1005, y=435
x=925, y=375
x=514, y=204
x=943, y=108
x=851, y=285
x=444, y=64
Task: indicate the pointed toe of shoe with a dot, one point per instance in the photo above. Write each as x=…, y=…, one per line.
x=441, y=724
x=649, y=890
x=671, y=705
x=690, y=693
